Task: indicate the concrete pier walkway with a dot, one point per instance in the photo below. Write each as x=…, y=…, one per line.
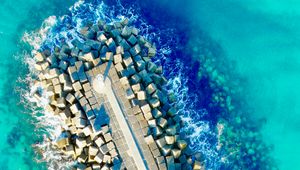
x=102, y=85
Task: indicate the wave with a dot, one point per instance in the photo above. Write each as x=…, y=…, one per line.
x=57, y=30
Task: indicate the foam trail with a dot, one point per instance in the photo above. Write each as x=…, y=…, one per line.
x=197, y=131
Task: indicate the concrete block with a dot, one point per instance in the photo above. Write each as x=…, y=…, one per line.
x=146, y=108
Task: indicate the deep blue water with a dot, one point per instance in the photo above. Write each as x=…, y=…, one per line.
x=226, y=63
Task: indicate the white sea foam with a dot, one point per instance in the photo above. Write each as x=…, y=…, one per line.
x=197, y=131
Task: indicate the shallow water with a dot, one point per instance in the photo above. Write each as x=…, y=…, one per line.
x=252, y=50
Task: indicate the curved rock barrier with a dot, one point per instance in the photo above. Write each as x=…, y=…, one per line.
x=93, y=134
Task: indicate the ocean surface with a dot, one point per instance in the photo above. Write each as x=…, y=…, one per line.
x=232, y=65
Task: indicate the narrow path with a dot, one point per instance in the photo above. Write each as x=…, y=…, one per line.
x=103, y=86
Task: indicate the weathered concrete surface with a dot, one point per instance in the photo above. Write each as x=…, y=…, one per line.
x=103, y=86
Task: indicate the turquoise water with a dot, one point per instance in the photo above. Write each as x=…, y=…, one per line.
x=250, y=48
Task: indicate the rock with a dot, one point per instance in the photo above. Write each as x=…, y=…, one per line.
x=181, y=144
x=162, y=122
x=63, y=142
x=99, y=158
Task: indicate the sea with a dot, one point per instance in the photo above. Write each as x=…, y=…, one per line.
x=233, y=68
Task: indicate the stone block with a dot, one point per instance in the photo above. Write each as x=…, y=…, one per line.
x=111, y=44
x=77, y=86
x=87, y=131
x=117, y=58
x=170, y=140
x=176, y=153
x=156, y=113
x=61, y=102
x=70, y=98
x=154, y=102
x=111, y=145
x=99, y=158
x=39, y=57
x=129, y=94
x=119, y=50
x=136, y=87
x=73, y=73
x=157, y=131
x=104, y=149
x=146, y=108
x=156, y=153
x=151, y=88
x=80, y=142
x=166, y=150
x=109, y=56
x=93, y=151
x=181, y=144
x=161, y=142
x=172, y=111
x=119, y=67
x=148, y=116
x=132, y=40
x=128, y=61
x=162, y=122
x=149, y=139
x=135, y=50
x=152, y=123
x=107, y=137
